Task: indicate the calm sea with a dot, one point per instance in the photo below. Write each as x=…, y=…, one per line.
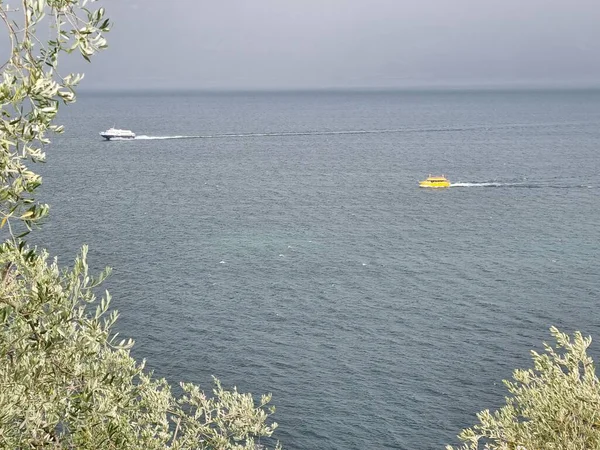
x=280, y=242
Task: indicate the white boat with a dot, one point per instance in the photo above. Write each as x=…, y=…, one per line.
x=115, y=133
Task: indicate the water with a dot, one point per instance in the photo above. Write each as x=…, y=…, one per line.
x=280, y=242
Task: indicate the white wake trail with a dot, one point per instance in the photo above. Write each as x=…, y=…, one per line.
x=272, y=134
x=143, y=137
x=490, y=184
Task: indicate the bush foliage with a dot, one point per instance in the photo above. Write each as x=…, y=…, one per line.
x=555, y=405
x=67, y=383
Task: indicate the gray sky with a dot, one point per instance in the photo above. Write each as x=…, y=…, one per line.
x=282, y=44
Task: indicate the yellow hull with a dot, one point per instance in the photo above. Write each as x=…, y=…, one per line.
x=434, y=184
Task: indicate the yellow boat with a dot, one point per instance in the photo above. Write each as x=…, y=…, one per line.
x=435, y=182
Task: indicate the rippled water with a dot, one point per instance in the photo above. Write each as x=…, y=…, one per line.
x=280, y=242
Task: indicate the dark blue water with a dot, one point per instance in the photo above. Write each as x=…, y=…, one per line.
x=289, y=249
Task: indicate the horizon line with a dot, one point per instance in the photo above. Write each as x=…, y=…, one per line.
x=349, y=89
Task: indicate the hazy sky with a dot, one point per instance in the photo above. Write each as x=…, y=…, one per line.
x=279, y=44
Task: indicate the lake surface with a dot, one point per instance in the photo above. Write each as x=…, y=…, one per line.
x=280, y=242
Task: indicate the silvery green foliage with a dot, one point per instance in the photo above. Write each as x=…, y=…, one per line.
x=31, y=89
x=66, y=382
x=555, y=405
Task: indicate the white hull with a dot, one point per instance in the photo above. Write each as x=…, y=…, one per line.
x=108, y=137
x=117, y=134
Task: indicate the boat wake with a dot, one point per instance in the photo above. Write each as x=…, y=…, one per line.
x=273, y=134
x=487, y=184
x=524, y=185
x=148, y=138
x=292, y=133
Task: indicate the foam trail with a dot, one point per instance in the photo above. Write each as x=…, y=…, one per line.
x=524, y=185
x=144, y=137
x=274, y=134
x=284, y=133
x=490, y=184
